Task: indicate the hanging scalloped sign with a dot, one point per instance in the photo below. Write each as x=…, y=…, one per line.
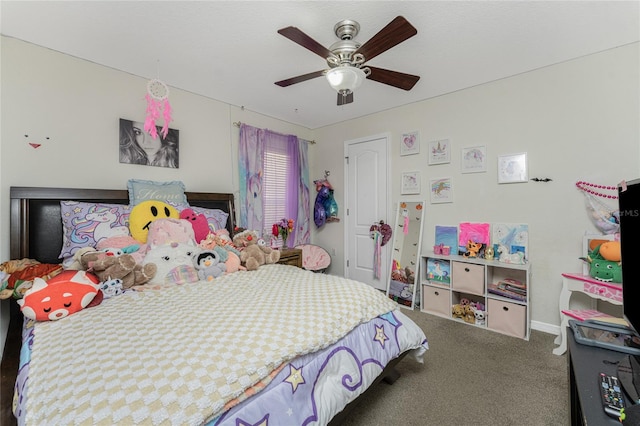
x=157, y=105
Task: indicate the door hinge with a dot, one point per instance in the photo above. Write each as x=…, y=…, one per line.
x=347, y=263
x=347, y=158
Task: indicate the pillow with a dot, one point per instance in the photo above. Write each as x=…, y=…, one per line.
x=143, y=190
x=85, y=224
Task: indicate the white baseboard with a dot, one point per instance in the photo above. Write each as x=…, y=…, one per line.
x=546, y=328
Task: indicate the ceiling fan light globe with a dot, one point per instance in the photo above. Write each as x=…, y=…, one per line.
x=345, y=79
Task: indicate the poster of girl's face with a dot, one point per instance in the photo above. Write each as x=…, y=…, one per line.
x=140, y=147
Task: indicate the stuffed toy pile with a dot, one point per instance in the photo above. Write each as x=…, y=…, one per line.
x=253, y=253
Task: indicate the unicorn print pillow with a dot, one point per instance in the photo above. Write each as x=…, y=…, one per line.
x=86, y=224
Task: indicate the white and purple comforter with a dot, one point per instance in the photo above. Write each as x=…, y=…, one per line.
x=187, y=354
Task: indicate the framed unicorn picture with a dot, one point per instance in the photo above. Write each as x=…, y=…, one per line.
x=439, y=152
x=410, y=144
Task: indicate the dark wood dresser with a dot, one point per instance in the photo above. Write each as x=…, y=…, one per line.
x=291, y=257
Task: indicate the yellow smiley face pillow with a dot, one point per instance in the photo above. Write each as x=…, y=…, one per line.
x=144, y=213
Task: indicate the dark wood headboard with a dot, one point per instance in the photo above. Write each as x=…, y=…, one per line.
x=36, y=225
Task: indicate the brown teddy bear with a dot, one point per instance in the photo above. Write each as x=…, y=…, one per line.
x=252, y=252
x=469, y=314
x=123, y=267
x=457, y=311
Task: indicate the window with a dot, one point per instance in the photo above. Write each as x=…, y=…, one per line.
x=274, y=191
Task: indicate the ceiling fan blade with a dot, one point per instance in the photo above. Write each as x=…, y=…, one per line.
x=343, y=100
x=297, y=36
x=300, y=78
x=393, y=78
x=393, y=34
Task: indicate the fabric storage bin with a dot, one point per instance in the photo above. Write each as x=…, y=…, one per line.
x=435, y=300
x=467, y=278
x=506, y=317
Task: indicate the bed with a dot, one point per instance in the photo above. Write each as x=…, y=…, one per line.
x=279, y=345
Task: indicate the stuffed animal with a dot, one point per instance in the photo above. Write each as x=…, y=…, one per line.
x=210, y=263
x=480, y=317
x=174, y=263
x=111, y=288
x=252, y=254
x=145, y=213
x=122, y=267
x=611, y=251
x=198, y=222
x=457, y=311
x=602, y=269
x=126, y=244
x=469, y=314
x=473, y=249
x=61, y=296
x=170, y=230
x=506, y=257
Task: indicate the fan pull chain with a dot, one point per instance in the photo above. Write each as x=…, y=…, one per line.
x=585, y=187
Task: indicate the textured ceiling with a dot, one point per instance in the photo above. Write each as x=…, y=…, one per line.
x=230, y=50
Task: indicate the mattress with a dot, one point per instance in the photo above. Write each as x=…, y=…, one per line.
x=266, y=344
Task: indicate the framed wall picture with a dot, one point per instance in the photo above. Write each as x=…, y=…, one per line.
x=441, y=190
x=439, y=152
x=410, y=183
x=474, y=159
x=512, y=168
x=410, y=143
x=138, y=146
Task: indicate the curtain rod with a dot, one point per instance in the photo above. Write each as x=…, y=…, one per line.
x=238, y=123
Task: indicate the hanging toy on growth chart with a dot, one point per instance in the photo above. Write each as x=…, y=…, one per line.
x=157, y=103
x=325, y=207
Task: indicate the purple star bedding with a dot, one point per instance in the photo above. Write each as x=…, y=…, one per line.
x=279, y=345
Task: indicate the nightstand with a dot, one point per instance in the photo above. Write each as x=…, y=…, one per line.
x=291, y=257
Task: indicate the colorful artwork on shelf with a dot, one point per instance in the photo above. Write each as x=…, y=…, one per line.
x=439, y=270
x=447, y=236
x=476, y=232
x=514, y=236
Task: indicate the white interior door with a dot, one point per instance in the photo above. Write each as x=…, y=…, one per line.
x=367, y=199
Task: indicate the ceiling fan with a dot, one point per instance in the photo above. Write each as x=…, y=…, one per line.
x=346, y=58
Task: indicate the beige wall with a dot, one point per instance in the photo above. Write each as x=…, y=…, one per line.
x=578, y=120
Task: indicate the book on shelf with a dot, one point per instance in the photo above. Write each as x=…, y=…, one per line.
x=510, y=288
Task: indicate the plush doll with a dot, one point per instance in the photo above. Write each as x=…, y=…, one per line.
x=198, y=222
x=210, y=263
x=145, y=213
x=602, y=269
x=457, y=311
x=469, y=314
x=111, y=288
x=252, y=254
x=480, y=317
x=63, y=295
x=122, y=267
x=174, y=263
x=169, y=230
x=126, y=244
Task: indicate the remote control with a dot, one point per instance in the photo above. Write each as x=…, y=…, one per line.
x=612, y=399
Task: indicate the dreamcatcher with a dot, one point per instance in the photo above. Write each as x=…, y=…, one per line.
x=157, y=103
x=603, y=216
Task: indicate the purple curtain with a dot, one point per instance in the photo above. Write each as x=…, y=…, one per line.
x=252, y=146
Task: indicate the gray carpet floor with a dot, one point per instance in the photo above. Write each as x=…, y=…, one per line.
x=472, y=376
